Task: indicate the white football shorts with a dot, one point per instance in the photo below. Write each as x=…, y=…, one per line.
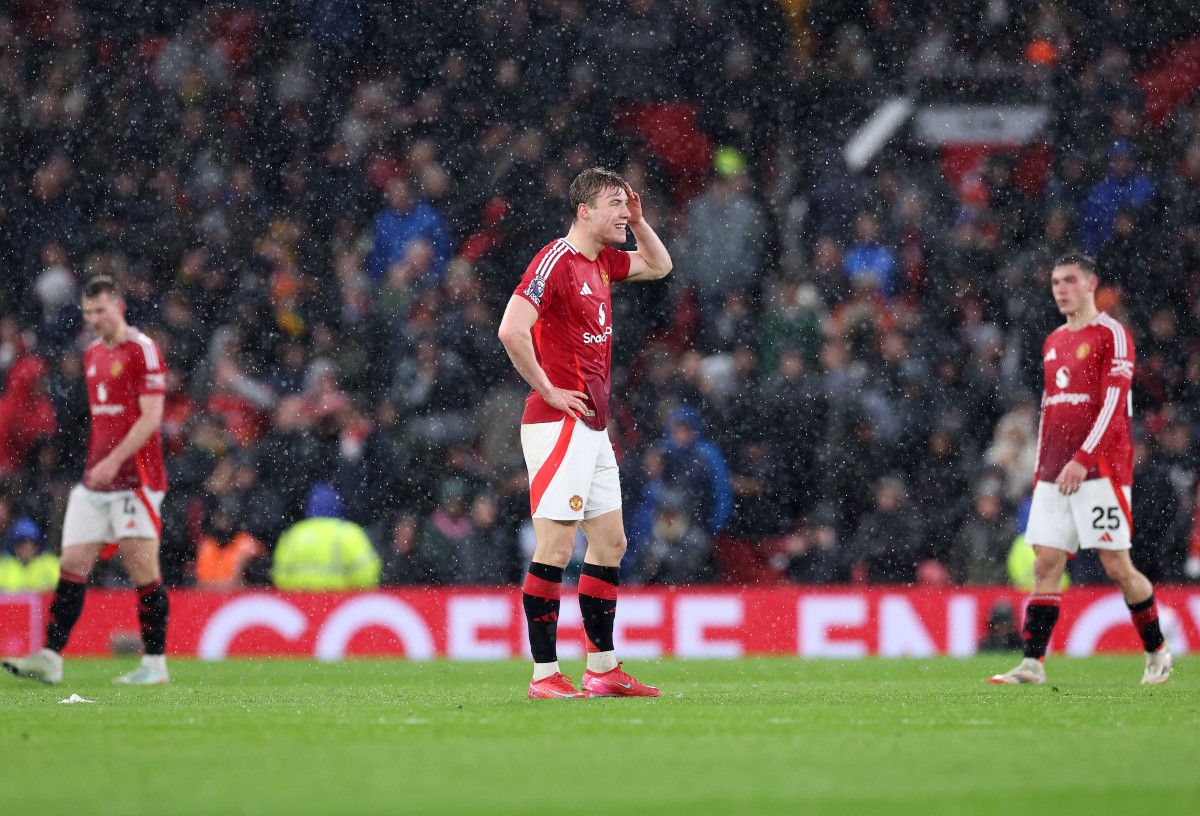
x=96, y=517
x=1091, y=518
x=573, y=472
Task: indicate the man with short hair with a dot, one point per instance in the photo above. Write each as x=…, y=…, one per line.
x=1084, y=470
x=124, y=482
x=557, y=330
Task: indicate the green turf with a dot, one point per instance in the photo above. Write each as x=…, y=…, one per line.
x=751, y=736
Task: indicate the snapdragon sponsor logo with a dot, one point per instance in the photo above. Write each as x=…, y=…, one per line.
x=603, y=337
x=1067, y=398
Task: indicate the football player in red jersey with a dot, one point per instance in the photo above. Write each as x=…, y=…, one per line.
x=558, y=333
x=1084, y=470
x=123, y=485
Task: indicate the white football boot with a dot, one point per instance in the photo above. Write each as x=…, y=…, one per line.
x=45, y=666
x=1158, y=666
x=151, y=672
x=1029, y=670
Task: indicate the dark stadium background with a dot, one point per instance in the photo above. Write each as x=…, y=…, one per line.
x=863, y=201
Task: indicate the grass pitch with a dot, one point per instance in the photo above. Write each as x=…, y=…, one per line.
x=758, y=736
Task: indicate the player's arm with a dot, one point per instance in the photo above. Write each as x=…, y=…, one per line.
x=651, y=261
x=516, y=333
x=147, y=424
x=1115, y=383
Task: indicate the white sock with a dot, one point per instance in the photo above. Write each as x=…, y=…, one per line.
x=600, y=662
x=543, y=670
x=54, y=657
x=156, y=662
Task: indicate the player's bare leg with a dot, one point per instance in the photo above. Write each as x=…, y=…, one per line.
x=140, y=558
x=1139, y=597
x=1041, y=613
x=46, y=666
x=541, y=598
x=598, y=587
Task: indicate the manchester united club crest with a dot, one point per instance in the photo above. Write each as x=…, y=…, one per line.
x=576, y=503
x=116, y=369
x=604, y=277
x=1083, y=351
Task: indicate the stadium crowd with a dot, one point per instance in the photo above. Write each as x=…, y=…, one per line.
x=319, y=211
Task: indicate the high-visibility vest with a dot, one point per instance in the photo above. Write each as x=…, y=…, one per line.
x=39, y=575
x=325, y=554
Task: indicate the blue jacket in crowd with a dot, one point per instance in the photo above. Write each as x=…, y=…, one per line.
x=698, y=469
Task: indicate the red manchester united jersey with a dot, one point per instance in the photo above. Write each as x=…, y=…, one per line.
x=573, y=332
x=116, y=378
x=1086, y=409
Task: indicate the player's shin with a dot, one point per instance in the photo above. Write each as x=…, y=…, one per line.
x=540, y=596
x=153, y=611
x=65, y=609
x=598, y=605
x=1145, y=620
x=1040, y=616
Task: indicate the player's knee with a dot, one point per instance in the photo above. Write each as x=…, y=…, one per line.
x=1048, y=565
x=1117, y=568
x=613, y=549
x=555, y=547
x=555, y=555
x=75, y=562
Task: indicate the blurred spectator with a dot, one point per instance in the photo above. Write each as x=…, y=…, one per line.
x=489, y=554
x=868, y=258
x=1161, y=546
x=444, y=534
x=1067, y=188
x=890, y=540
x=324, y=552
x=724, y=244
x=941, y=490
x=981, y=545
x=401, y=563
x=290, y=441
x=25, y=566
x=433, y=392
x=1014, y=447
x=241, y=517
x=696, y=467
x=406, y=219
x=813, y=554
x=679, y=550
x=791, y=321
x=1125, y=186
x=26, y=414
x=55, y=292
x=1002, y=634
x=221, y=565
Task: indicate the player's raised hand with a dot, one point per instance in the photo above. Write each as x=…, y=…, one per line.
x=635, y=205
x=571, y=403
x=1071, y=478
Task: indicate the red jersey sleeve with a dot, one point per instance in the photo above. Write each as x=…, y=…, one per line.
x=1112, y=423
x=616, y=262
x=152, y=377
x=537, y=284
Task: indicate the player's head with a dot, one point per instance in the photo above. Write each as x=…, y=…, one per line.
x=103, y=306
x=1074, y=280
x=600, y=204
